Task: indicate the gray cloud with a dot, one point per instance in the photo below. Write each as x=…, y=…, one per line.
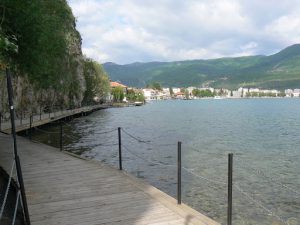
x=131, y=30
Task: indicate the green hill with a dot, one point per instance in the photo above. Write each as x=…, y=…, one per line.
x=281, y=70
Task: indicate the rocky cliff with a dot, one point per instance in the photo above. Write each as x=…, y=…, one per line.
x=42, y=48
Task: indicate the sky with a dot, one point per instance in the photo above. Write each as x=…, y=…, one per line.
x=127, y=31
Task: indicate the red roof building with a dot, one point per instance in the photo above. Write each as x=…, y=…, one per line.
x=116, y=84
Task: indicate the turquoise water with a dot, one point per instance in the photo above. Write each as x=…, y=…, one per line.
x=263, y=134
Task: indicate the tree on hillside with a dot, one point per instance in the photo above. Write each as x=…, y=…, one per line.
x=155, y=86
x=97, y=82
x=171, y=91
x=203, y=93
x=186, y=94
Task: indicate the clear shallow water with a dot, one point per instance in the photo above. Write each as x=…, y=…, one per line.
x=263, y=134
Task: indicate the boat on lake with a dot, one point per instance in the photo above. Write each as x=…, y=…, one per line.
x=138, y=103
x=218, y=97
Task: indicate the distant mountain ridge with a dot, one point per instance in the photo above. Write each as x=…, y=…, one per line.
x=281, y=70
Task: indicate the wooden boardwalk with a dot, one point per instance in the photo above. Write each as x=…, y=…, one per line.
x=45, y=118
x=63, y=189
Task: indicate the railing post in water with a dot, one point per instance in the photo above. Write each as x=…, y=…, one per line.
x=120, y=148
x=40, y=113
x=61, y=136
x=30, y=127
x=230, y=168
x=179, y=173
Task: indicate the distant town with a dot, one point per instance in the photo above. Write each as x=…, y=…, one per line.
x=209, y=92
x=156, y=92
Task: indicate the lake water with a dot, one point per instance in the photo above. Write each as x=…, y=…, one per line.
x=263, y=135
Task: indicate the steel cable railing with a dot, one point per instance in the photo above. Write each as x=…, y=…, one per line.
x=147, y=160
x=214, y=183
x=259, y=204
x=8, y=187
x=16, y=165
x=217, y=184
x=245, y=165
x=62, y=135
x=33, y=117
x=145, y=141
x=16, y=208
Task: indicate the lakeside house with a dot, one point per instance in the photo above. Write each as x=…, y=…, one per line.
x=114, y=84
x=296, y=93
x=176, y=90
x=180, y=95
x=149, y=94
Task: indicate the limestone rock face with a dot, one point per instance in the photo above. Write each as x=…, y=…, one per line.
x=77, y=64
x=47, y=66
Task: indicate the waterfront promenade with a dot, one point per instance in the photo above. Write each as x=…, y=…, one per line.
x=44, y=118
x=65, y=189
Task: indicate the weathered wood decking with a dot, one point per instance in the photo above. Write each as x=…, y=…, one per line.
x=64, y=189
x=38, y=120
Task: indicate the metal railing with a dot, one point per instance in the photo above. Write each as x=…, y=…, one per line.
x=16, y=166
x=51, y=115
x=231, y=185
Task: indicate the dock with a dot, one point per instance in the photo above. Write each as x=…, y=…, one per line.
x=64, y=189
x=45, y=118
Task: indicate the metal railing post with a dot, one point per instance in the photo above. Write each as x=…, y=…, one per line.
x=17, y=159
x=61, y=136
x=230, y=169
x=21, y=117
x=120, y=148
x=0, y=120
x=22, y=189
x=30, y=127
x=179, y=173
x=40, y=113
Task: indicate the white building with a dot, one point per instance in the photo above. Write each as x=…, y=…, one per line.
x=296, y=93
x=149, y=94
x=176, y=90
x=288, y=92
x=251, y=90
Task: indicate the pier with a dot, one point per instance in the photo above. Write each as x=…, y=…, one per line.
x=63, y=188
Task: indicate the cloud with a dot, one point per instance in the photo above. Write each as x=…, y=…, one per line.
x=132, y=30
x=286, y=29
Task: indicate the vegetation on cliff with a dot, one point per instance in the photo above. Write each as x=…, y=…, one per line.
x=97, y=82
x=41, y=46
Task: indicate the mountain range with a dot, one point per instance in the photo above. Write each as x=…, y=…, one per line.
x=281, y=70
